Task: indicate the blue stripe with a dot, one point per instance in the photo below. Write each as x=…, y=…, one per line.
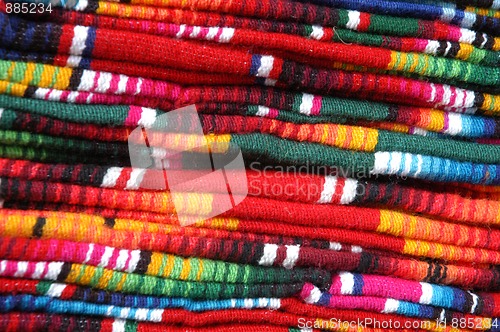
x=254, y=69
x=89, y=42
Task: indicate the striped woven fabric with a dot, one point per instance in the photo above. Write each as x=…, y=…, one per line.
x=260, y=165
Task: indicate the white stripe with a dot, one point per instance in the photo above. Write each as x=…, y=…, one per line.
x=454, y=124
x=426, y=296
x=80, y=34
x=469, y=101
x=262, y=302
x=108, y=252
x=122, y=85
x=124, y=313
x=269, y=255
x=148, y=117
x=21, y=269
x=416, y=131
x=328, y=189
x=135, y=255
x=266, y=65
x=122, y=259
x=407, y=167
x=420, y=162
x=3, y=266
x=335, y=246
x=40, y=93
x=292, y=254
x=381, y=163
x=356, y=249
x=182, y=28
x=39, y=268
x=1, y=112
x=317, y=32
x=226, y=35
x=156, y=315
x=347, y=281
x=432, y=47
x=212, y=32
x=467, y=36
x=391, y=305
x=433, y=93
x=195, y=32
x=55, y=95
x=314, y=296
x=89, y=253
x=459, y=98
x=442, y=316
x=87, y=80
x=81, y=5
x=118, y=325
x=141, y=314
x=104, y=82
x=138, y=87
x=485, y=40
x=495, y=4
x=396, y=158
x=306, y=104
x=354, y=19
x=53, y=270
x=248, y=303
x=446, y=95
x=349, y=191
x=111, y=176
x=275, y=304
x=73, y=61
x=72, y=96
x=474, y=302
x=136, y=176
x=262, y=111
x=55, y=290
x=448, y=48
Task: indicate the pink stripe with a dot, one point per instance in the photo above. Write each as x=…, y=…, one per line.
x=134, y=115
x=131, y=85
x=306, y=290
x=454, y=33
x=439, y=95
x=113, y=85
x=453, y=97
x=203, y=33
x=114, y=257
x=96, y=81
x=96, y=256
x=358, y=302
x=273, y=113
x=187, y=31
x=316, y=107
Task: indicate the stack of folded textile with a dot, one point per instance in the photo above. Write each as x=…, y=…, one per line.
x=370, y=192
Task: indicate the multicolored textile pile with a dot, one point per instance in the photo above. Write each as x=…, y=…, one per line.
x=370, y=136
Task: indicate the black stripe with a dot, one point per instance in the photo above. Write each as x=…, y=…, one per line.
x=65, y=270
x=110, y=222
x=38, y=229
x=75, y=79
x=144, y=261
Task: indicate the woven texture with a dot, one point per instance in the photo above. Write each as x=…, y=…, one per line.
x=368, y=196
